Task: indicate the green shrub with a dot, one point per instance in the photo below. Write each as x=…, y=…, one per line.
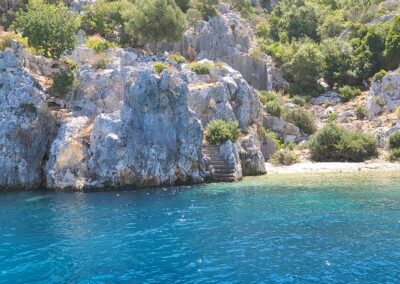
x=101, y=63
x=300, y=101
x=348, y=93
x=266, y=97
x=394, y=140
x=334, y=143
x=284, y=157
x=394, y=155
x=201, y=68
x=378, y=76
x=302, y=118
x=177, y=57
x=154, y=21
x=219, y=131
x=28, y=107
x=262, y=30
x=63, y=82
x=361, y=113
x=159, y=67
x=99, y=44
x=380, y=101
x=332, y=117
x=50, y=29
x=273, y=108
x=103, y=18
x=278, y=142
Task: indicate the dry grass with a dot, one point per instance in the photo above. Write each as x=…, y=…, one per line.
x=71, y=156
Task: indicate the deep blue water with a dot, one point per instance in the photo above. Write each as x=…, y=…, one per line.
x=282, y=229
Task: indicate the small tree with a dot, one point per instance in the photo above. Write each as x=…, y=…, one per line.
x=392, y=51
x=49, y=28
x=155, y=21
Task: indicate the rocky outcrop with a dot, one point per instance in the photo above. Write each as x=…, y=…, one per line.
x=226, y=38
x=327, y=99
x=386, y=91
x=285, y=130
x=25, y=130
x=251, y=156
x=126, y=126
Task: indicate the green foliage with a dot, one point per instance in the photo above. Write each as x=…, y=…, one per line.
x=361, y=113
x=332, y=25
x=304, y=69
x=266, y=97
x=392, y=51
x=263, y=30
x=101, y=63
x=177, y=57
x=63, y=82
x=103, y=18
x=28, y=107
x=6, y=38
x=378, y=76
x=206, y=8
x=334, y=143
x=159, y=67
x=201, y=68
x=184, y=5
x=394, y=140
x=219, y=131
x=302, y=118
x=99, y=44
x=332, y=117
x=284, y=157
x=394, y=155
x=273, y=108
x=300, y=101
x=49, y=28
x=348, y=93
x=155, y=21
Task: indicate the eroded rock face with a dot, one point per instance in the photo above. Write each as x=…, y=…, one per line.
x=385, y=91
x=25, y=129
x=226, y=38
x=252, y=159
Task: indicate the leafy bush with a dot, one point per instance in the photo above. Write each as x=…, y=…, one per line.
x=378, y=76
x=394, y=140
x=99, y=44
x=177, y=57
x=201, y=68
x=302, y=118
x=299, y=101
x=263, y=30
x=273, y=108
x=50, y=29
x=334, y=143
x=266, y=97
x=394, y=155
x=103, y=18
x=284, y=157
x=332, y=117
x=63, y=82
x=219, y=131
x=101, y=63
x=348, y=93
x=155, y=21
x=361, y=113
x=159, y=67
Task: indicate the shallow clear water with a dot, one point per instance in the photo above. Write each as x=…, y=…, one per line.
x=280, y=229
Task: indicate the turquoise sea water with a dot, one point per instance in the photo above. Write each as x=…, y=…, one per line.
x=277, y=229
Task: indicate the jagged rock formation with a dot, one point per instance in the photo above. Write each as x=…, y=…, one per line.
x=25, y=129
x=225, y=38
x=126, y=126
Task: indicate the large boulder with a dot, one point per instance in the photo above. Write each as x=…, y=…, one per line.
x=251, y=156
x=25, y=129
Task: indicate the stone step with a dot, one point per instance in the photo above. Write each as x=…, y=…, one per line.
x=220, y=166
x=230, y=179
x=224, y=172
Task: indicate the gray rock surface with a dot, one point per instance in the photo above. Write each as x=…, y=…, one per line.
x=252, y=159
x=328, y=98
x=25, y=129
x=387, y=90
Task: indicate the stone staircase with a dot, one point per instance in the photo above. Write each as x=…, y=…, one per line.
x=222, y=170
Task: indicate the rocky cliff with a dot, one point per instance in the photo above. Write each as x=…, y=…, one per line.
x=125, y=126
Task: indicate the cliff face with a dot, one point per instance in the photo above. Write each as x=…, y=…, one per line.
x=25, y=128
x=125, y=126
